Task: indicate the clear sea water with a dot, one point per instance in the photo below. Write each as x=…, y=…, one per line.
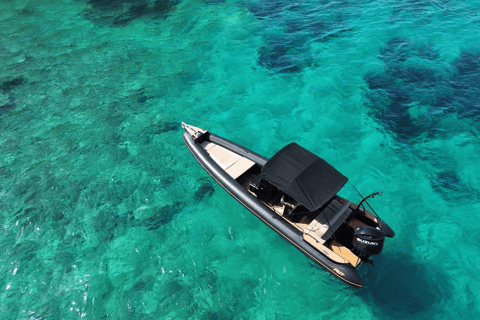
x=106, y=215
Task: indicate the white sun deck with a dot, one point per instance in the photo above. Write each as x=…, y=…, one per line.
x=232, y=163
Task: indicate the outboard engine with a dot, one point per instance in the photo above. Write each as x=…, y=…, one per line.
x=368, y=240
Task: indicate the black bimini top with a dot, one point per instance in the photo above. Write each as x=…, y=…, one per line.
x=304, y=176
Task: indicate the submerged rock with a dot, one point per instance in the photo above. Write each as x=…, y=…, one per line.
x=288, y=50
x=268, y=8
x=416, y=91
x=466, y=84
x=149, y=132
x=121, y=13
x=205, y=190
x=7, y=107
x=452, y=188
x=26, y=250
x=163, y=215
x=7, y=98
x=7, y=86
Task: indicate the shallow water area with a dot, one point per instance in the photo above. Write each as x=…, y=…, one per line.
x=105, y=213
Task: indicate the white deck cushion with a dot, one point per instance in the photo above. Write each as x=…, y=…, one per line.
x=234, y=164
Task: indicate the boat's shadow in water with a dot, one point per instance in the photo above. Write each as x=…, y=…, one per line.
x=403, y=287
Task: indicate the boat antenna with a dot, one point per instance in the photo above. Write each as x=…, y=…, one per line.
x=365, y=200
x=370, y=196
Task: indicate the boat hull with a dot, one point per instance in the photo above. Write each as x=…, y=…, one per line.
x=344, y=271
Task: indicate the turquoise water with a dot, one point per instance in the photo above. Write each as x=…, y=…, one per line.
x=105, y=214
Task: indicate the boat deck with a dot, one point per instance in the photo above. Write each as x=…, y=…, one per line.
x=232, y=163
x=313, y=227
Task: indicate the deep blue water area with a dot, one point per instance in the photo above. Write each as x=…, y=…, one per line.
x=106, y=215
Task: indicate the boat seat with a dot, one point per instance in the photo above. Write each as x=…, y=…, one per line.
x=239, y=167
x=345, y=253
x=356, y=223
x=334, y=214
x=289, y=206
x=233, y=164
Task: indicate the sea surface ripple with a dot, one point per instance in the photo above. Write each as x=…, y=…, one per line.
x=105, y=214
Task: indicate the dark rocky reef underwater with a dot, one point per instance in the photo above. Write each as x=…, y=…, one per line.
x=167, y=213
x=414, y=96
x=417, y=89
x=119, y=13
x=7, y=87
x=286, y=50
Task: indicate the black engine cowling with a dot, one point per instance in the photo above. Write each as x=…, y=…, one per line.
x=368, y=240
x=262, y=189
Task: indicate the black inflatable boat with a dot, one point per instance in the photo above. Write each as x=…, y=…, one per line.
x=295, y=194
